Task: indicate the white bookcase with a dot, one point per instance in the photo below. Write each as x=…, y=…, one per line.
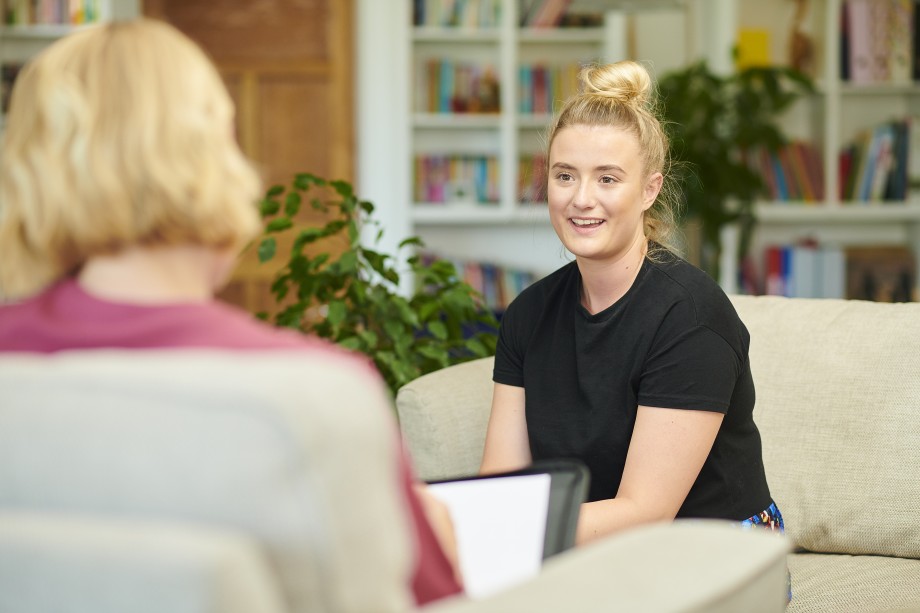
x=831, y=119
x=391, y=131
x=393, y=128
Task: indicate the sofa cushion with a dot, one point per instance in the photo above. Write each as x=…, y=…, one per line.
x=822, y=583
x=838, y=407
x=283, y=446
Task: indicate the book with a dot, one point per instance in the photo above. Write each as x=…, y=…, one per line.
x=775, y=282
x=507, y=524
x=832, y=266
x=900, y=33
x=883, y=162
x=860, y=45
x=549, y=14
x=803, y=273
x=913, y=154
x=884, y=273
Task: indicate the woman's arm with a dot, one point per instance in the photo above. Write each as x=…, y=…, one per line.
x=666, y=452
x=507, y=446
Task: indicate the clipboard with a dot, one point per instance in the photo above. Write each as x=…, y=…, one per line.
x=499, y=518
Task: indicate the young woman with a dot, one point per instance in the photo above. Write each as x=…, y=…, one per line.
x=124, y=200
x=629, y=358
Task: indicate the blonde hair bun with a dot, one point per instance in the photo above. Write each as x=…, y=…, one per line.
x=626, y=81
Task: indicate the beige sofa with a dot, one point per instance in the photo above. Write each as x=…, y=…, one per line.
x=838, y=407
x=196, y=481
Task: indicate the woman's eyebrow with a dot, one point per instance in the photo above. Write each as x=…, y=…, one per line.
x=608, y=167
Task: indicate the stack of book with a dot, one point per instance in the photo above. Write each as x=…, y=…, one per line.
x=792, y=173
x=878, y=41
x=542, y=13
x=448, y=86
x=805, y=271
x=32, y=12
x=498, y=285
x=457, y=13
x=456, y=178
x=810, y=270
x=542, y=86
x=877, y=165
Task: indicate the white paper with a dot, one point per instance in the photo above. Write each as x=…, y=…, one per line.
x=500, y=525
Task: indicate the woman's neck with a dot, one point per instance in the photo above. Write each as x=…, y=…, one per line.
x=155, y=275
x=605, y=282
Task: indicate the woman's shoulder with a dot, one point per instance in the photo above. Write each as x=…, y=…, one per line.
x=691, y=292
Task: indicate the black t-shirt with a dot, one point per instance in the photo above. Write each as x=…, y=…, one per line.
x=673, y=340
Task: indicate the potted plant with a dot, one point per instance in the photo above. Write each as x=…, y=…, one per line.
x=353, y=298
x=712, y=119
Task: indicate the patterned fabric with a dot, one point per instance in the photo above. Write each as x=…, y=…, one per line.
x=771, y=519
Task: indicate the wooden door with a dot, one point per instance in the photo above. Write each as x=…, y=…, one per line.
x=288, y=66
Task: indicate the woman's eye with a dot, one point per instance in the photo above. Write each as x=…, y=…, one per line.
x=564, y=176
x=608, y=179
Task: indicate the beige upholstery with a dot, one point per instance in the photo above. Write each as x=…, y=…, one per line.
x=264, y=482
x=61, y=563
x=838, y=407
x=686, y=567
x=444, y=417
x=284, y=449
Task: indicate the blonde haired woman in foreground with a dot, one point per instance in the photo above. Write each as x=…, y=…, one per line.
x=124, y=200
x=628, y=358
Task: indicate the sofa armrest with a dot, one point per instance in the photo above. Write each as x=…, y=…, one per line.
x=688, y=566
x=443, y=417
x=59, y=562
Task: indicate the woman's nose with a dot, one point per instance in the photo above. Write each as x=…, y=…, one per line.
x=584, y=197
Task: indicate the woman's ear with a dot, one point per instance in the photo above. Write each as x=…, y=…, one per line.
x=652, y=188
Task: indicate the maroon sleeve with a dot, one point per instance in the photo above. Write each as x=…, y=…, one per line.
x=433, y=577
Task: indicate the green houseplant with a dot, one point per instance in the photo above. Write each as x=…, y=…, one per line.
x=353, y=298
x=712, y=119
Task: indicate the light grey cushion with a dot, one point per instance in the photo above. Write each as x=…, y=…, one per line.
x=288, y=448
x=686, y=566
x=56, y=563
x=838, y=406
x=822, y=582
x=443, y=416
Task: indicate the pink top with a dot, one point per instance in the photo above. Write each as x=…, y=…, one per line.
x=65, y=317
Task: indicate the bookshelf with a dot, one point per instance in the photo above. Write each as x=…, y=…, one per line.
x=512, y=231
x=835, y=117
x=401, y=130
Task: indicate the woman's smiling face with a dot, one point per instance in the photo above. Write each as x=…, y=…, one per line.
x=598, y=191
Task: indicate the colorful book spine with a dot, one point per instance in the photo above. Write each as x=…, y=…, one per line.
x=470, y=14
x=456, y=179
x=878, y=41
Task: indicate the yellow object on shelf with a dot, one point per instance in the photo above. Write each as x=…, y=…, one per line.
x=753, y=48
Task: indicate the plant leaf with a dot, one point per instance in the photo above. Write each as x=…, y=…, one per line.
x=269, y=207
x=292, y=204
x=278, y=225
x=337, y=313
x=438, y=330
x=266, y=249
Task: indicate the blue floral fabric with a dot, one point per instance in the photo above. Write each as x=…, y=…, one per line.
x=771, y=519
